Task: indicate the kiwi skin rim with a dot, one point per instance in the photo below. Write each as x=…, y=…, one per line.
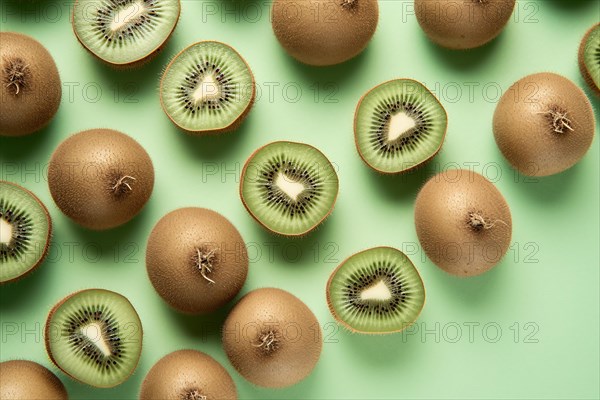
x=582, y=65
x=353, y=330
x=46, y=247
x=135, y=63
x=47, y=335
x=301, y=234
x=416, y=165
x=235, y=123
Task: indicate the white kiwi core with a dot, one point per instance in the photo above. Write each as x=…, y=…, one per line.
x=207, y=89
x=400, y=125
x=379, y=291
x=93, y=332
x=6, y=231
x=289, y=186
x=127, y=15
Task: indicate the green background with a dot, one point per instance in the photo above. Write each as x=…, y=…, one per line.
x=544, y=296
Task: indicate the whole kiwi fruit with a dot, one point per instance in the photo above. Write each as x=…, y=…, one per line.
x=272, y=338
x=196, y=260
x=463, y=24
x=22, y=379
x=463, y=222
x=31, y=87
x=100, y=178
x=544, y=124
x=324, y=32
x=188, y=375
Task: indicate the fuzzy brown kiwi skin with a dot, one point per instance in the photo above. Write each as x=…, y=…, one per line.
x=444, y=210
x=37, y=382
x=354, y=330
x=582, y=65
x=414, y=167
x=301, y=234
x=37, y=102
x=234, y=125
x=174, y=376
x=47, y=335
x=136, y=64
x=355, y=21
x=526, y=137
x=455, y=35
x=46, y=247
x=280, y=309
x=170, y=260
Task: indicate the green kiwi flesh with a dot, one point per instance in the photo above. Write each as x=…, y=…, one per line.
x=463, y=24
x=94, y=336
x=124, y=32
x=272, y=338
x=207, y=88
x=399, y=125
x=288, y=187
x=25, y=230
x=100, y=178
x=196, y=260
x=30, y=90
x=544, y=124
x=22, y=379
x=376, y=291
x=463, y=222
x=188, y=375
x=324, y=32
x=589, y=58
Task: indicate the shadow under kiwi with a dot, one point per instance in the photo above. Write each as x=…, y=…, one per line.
x=207, y=328
x=463, y=60
x=403, y=187
x=574, y=5
x=18, y=294
x=13, y=149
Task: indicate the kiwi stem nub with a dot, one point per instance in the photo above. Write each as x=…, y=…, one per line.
x=15, y=74
x=204, y=263
x=559, y=120
x=348, y=3
x=122, y=183
x=477, y=222
x=268, y=341
x=194, y=395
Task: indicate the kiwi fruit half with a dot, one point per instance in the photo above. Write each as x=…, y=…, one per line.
x=95, y=337
x=100, y=178
x=376, y=291
x=25, y=230
x=589, y=58
x=207, y=88
x=324, y=32
x=31, y=87
x=544, y=124
x=124, y=32
x=24, y=380
x=188, y=375
x=463, y=222
x=399, y=125
x=196, y=260
x=272, y=338
x=288, y=187
x=463, y=24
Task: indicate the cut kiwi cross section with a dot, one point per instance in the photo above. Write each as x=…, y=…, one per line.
x=207, y=88
x=95, y=336
x=376, y=291
x=25, y=229
x=123, y=32
x=399, y=125
x=589, y=58
x=288, y=187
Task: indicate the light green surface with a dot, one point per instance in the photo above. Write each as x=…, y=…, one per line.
x=546, y=289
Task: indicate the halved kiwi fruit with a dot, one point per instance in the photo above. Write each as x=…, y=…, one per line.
x=25, y=230
x=30, y=90
x=544, y=124
x=399, y=125
x=589, y=58
x=463, y=222
x=376, y=291
x=288, y=187
x=463, y=24
x=324, y=32
x=22, y=379
x=95, y=337
x=100, y=178
x=207, y=88
x=196, y=260
x=124, y=32
x=272, y=338
x=188, y=375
